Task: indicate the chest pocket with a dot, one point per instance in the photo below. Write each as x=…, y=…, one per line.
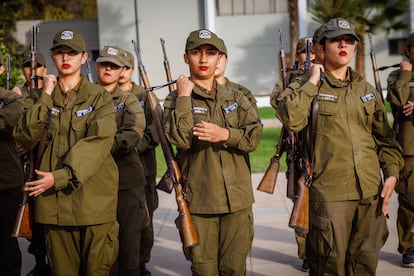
x=79, y=122
x=231, y=114
x=326, y=115
x=200, y=113
x=369, y=109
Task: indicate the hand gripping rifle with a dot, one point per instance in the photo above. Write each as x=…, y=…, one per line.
x=299, y=218
x=189, y=234
x=8, y=72
x=268, y=182
x=24, y=219
x=167, y=67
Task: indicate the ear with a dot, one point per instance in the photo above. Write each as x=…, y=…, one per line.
x=85, y=56
x=185, y=58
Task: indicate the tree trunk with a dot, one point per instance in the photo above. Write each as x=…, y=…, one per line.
x=293, y=22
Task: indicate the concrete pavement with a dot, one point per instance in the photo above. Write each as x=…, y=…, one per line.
x=274, y=245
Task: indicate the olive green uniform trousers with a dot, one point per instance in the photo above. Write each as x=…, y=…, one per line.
x=405, y=189
x=345, y=244
x=69, y=247
x=224, y=242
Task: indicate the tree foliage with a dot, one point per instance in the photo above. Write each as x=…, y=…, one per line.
x=15, y=10
x=368, y=16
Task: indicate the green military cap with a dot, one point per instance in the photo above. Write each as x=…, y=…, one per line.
x=410, y=40
x=70, y=38
x=129, y=59
x=337, y=27
x=301, y=45
x=222, y=47
x=113, y=54
x=203, y=36
x=317, y=35
x=40, y=59
x=1, y=59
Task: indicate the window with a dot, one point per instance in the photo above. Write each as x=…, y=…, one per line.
x=396, y=46
x=249, y=7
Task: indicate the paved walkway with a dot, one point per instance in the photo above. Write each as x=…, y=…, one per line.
x=274, y=246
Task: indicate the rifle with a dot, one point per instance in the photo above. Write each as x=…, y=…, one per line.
x=167, y=67
x=189, y=234
x=8, y=72
x=166, y=184
x=24, y=219
x=375, y=68
x=89, y=71
x=299, y=218
x=268, y=182
x=33, y=61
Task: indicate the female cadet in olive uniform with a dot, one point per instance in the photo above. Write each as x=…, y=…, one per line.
x=300, y=58
x=76, y=193
x=348, y=204
x=132, y=213
x=213, y=127
x=37, y=245
x=401, y=96
x=11, y=181
x=146, y=149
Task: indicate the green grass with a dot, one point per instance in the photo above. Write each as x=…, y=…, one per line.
x=267, y=112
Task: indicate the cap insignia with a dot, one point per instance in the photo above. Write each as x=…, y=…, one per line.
x=112, y=51
x=204, y=34
x=344, y=24
x=66, y=35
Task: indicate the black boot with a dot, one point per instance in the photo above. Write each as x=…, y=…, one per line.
x=145, y=271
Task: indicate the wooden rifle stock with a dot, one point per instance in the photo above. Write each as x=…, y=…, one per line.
x=268, y=182
x=299, y=218
x=188, y=231
x=24, y=219
x=167, y=67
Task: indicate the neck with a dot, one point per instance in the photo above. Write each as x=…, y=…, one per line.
x=69, y=82
x=206, y=84
x=110, y=87
x=221, y=80
x=127, y=86
x=338, y=72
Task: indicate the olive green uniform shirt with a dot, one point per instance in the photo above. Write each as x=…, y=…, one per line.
x=353, y=139
x=11, y=175
x=130, y=120
x=246, y=92
x=80, y=137
x=219, y=179
x=400, y=91
x=150, y=140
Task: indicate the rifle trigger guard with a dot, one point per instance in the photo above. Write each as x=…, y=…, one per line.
x=308, y=180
